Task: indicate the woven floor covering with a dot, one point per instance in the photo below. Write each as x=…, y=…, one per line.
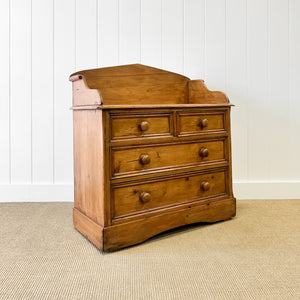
x=256, y=255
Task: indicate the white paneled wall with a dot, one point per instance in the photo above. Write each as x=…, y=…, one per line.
x=247, y=48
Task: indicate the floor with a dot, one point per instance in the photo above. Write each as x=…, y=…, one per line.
x=256, y=255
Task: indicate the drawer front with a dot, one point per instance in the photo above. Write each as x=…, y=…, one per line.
x=193, y=123
x=147, y=158
x=145, y=196
x=131, y=126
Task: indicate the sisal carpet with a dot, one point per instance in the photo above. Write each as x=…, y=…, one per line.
x=256, y=255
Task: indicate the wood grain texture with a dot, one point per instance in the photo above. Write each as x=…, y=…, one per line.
x=128, y=85
x=82, y=95
x=89, y=164
x=165, y=156
x=91, y=230
x=199, y=93
x=194, y=123
x=158, y=124
x=178, y=189
x=126, y=234
x=158, y=164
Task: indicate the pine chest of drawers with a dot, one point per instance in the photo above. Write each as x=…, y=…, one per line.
x=151, y=153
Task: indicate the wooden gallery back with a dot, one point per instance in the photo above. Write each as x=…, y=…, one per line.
x=151, y=152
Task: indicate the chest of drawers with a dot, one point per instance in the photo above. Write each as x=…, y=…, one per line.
x=151, y=152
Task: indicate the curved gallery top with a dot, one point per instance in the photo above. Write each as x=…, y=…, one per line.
x=140, y=86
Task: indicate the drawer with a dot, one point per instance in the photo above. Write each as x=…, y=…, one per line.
x=195, y=123
x=184, y=188
x=150, y=157
x=140, y=125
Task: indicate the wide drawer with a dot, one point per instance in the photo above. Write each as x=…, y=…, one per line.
x=195, y=123
x=140, y=125
x=153, y=157
x=135, y=197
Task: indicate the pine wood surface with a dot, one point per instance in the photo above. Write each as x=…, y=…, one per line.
x=145, y=160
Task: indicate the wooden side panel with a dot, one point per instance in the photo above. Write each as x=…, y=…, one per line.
x=82, y=95
x=199, y=93
x=89, y=164
x=92, y=231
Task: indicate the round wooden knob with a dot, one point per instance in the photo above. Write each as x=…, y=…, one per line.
x=144, y=159
x=145, y=197
x=205, y=186
x=203, y=123
x=203, y=152
x=144, y=125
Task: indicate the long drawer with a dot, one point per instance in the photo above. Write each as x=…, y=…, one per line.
x=137, y=197
x=145, y=158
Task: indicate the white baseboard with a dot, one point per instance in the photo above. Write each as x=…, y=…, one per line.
x=267, y=190
x=36, y=193
x=65, y=193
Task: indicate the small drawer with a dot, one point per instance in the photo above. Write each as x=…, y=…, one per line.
x=195, y=123
x=135, y=197
x=132, y=126
x=143, y=158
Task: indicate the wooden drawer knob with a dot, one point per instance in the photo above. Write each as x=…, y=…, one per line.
x=145, y=197
x=205, y=186
x=203, y=123
x=144, y=159
x=144, y=125
x=203, y=152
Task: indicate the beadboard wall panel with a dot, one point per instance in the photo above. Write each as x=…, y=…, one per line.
x=20, y=89
x=249, y=49
x=293, y=90
x=5, y=92
x=42, y=93
x=172, y=35
x=236, y=82
x=194, y=38
x=258, y=87
x=108, y=33
x=151, y=33
x=63, y=64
